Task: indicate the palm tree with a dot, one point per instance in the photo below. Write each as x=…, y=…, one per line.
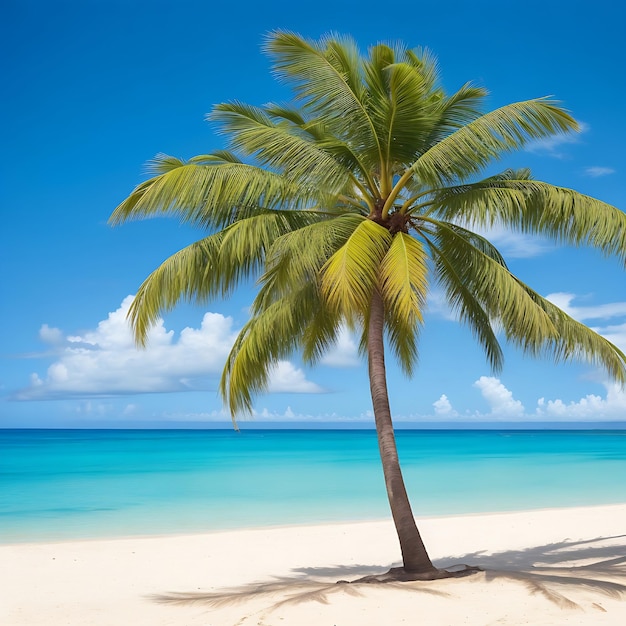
x=346, y=204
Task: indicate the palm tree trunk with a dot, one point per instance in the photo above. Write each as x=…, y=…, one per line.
x=414, y=555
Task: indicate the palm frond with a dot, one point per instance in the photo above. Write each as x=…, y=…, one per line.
x=574, y=218
x=426, y=62
x=281, y=146
x=269, y=336
x=224, y=156
x=316, y=131
x=485, y=203
x=468, y=150
x=403, y=335
x=454, y=112
x=321, y=334
x=464, y=303
x=324, y=76
x=576, y=342
x=298, y=257
x=189, y=275
x=351, y=274
x=527, y=319
x=246, y=243
x=281, y=112
x=403, y=278
x=212, y=267
x=410, y=116
x=212, y=195
x=503, y=298
x=516, y=201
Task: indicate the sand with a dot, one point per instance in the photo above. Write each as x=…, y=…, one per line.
x=548, y=567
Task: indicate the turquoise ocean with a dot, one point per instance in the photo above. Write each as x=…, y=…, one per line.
x=69, y=484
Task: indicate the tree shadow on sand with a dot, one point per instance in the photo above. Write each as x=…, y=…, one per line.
x=553, y=571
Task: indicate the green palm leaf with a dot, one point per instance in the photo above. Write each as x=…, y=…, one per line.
x=298, y=256
x=472, y=147
x=348, y=203
x=503, y=298
x=575, y=341
x=210, y=192
x=190, y=274
x=461, y=297
x=351, y=274
x=533, y=206
x=269, y=336
x=329, y=82
x=279, y=145
x=403, y=278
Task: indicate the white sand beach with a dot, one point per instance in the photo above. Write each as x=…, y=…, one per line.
x=557, y=566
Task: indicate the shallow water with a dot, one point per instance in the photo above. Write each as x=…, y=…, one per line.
x=58, y=484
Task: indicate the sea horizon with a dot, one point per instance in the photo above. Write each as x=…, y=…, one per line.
x=252, y=424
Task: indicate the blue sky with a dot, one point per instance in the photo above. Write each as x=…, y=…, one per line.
x=94, y=89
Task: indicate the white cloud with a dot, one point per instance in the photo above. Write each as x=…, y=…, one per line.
x=517, y=245
x=94, y=409
x=344, y=353
x=49, y=335
x=443, y=408
x=615, y=333
x=596, y=171
x=500, y=399
x=581, y=313
x=589, y=408
x=105, y=361
x=287, y=378
x=289, y=415
x=510, y=243
x=551, y=145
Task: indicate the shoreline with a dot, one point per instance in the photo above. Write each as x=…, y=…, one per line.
x=302, y=525
x=277, y=527
x=544, y=566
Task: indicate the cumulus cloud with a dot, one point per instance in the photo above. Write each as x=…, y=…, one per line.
x=105, y=361
x=589, y=408
x=443, y=408
x=287, y=378
x=595, y=171
x=51, y=336
x=500, y=399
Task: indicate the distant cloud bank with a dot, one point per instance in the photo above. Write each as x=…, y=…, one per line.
x=504, y=407
x=105, y=361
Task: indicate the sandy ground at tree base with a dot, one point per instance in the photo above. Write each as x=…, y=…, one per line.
x=548, y=567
